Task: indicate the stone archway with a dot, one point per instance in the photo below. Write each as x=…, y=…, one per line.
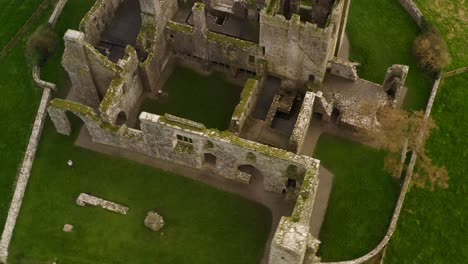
x=121, y=118
x=256, y=176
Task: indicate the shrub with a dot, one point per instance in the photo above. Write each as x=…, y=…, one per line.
x=41, y=45
x=431, y=50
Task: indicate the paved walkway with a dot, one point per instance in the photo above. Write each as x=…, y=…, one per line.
x=277, y=203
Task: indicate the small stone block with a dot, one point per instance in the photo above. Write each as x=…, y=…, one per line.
x=67, y=228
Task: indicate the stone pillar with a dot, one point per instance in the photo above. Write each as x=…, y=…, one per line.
x=199, y=17
x=75, y=62
x=60, y=120
x=294, y=28
x=394, y=82
x=147, y=8
x=200, y=44
x=289, y=243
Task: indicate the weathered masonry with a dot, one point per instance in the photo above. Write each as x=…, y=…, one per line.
x=125, y=51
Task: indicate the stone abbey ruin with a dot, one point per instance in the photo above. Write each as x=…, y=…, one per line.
x=284, y=51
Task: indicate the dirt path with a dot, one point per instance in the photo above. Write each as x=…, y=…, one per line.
x=321, y=201
x=344, y=49
x=277, y=203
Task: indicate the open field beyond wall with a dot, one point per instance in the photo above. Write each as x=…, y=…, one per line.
x=199, y=219
x=13, y=14
x=364, y=195
x=433, y=226
x=362, y=200
x=19, y=100
x=381, y=34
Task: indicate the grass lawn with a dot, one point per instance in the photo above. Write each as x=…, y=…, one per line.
x=433, y=226
x=18, y=104
x=364, y=195
x=13, y=15
x=207, y=99
x=20, y=95
x=361, y=202
x=203, y=224
x=381, y=33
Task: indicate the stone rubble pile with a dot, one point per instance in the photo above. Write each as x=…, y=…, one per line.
x=154, y=221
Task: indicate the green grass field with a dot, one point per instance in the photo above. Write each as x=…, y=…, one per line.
x=20, y=98
x=198, y=218
x=354, y=225
x=362, y=199
x=203, y=224
x=433, y=225
x=207, y=99
x=381, y=33
x=13, y=15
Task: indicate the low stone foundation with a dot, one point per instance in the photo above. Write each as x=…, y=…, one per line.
x=84, y=199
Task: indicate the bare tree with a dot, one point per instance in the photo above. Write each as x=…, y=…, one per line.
x=41, y=45
x=399, y=133
x=431, y=50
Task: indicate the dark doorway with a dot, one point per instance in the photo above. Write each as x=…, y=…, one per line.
x=121, y=118
x=256, y=175
x=291, y=183
x=318, y=116
x=335, y=116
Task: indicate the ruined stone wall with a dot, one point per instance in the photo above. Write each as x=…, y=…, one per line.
x=163, y=133
x=394, y=82
x=343, y=23
x=322, y=106
x=75, y=62
x=186, y=142
x=100, y=131
x=152, y=39
x=90, y=72
x=24, y=173
x=343, y=68
x=293, y=49
x=337, y=21
x=148, y=10
x=57, y=12
x=209, y=46
x=101, y=68
x=301, y=127
x=246, y=105
x=98, y=18
x=124, y=90
x=292, y=240
x=413, y=10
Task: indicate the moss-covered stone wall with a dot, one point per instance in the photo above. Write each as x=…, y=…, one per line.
x=98, y=18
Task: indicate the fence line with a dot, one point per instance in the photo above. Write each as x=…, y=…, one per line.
x=34, y=17
x=401, y=198
x=29, y=156
x=455, y=72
